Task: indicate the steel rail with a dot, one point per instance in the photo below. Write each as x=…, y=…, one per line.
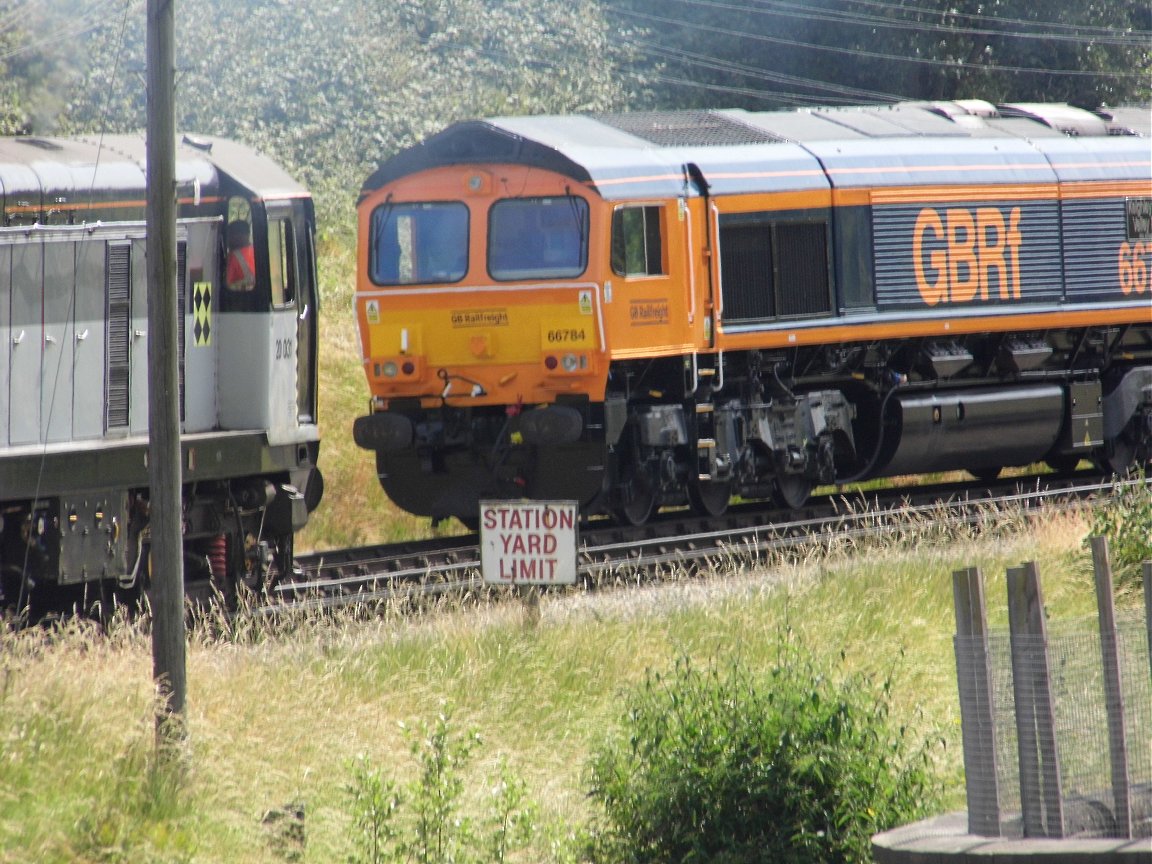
x=426, y=569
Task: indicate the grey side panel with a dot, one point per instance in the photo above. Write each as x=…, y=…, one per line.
x=138, y=343
x=138, y=364
x=200, y=338
x=5, y=340
x=27, y=340
x=118, y=338
x=59, y=335
x=852, y=245
x=89, y=338
x=181, y=321
x=994, y=252
x=1094, y=231
x=245, y=346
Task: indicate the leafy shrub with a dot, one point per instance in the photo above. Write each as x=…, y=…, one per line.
x=1125, y=519
x=725, y=766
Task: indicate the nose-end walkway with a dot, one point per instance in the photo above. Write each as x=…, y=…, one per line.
x=945, y=840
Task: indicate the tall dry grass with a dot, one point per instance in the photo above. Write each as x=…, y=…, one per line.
x=279, y=712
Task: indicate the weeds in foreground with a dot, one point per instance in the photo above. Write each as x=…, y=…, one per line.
x=139, y=808
x=1125, y=519
x=422, y=822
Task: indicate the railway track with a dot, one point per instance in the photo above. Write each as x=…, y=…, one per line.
x=610, y=554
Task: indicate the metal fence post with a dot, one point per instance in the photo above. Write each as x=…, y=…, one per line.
x=1148, y=609
x=1040, y=790
x=1113, y=693
x=977, y=711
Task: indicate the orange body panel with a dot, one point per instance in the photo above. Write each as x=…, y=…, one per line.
x=497, y=337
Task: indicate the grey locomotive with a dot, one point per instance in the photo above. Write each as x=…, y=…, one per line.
x=74, y=500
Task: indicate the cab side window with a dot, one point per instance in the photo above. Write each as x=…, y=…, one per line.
x=637, y=249
x=282, y=262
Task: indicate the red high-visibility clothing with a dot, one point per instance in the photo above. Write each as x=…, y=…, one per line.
x=241, y=272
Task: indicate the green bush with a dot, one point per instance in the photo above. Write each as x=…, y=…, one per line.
x=1125, y=519
x=727, y=766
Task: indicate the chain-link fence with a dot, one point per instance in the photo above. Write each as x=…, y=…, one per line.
x=1078, y=734
x=1057, y=733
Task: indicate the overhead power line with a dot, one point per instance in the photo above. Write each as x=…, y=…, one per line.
x=707, y=62
x=1038, y=30
x=94, y=16
x=856, y=52
x=1084, y=29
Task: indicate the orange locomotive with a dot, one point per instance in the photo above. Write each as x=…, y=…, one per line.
x=646, y=309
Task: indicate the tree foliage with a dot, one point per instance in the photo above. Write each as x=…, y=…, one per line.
x=35, y=67
x=765, y=53
x=331, y=87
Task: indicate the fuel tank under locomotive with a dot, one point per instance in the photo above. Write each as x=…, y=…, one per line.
x=975, y=430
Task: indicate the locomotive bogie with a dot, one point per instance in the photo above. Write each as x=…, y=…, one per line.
x=768, y=302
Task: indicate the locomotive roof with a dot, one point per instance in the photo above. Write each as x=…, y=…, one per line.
x=910, y=143
x=116, y=163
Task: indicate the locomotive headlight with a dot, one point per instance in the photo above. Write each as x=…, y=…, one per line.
x=390, y=369
x=570, y=362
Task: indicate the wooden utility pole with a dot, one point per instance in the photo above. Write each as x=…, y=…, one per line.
x=167, y=565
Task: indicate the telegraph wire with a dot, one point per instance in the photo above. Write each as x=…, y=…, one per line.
x=1087, y=29
x=80, y=25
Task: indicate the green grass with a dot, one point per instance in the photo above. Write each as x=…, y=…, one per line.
x=280, y=716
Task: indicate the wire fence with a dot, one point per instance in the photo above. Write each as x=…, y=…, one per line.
x=1078, y=734
x=1057, y=716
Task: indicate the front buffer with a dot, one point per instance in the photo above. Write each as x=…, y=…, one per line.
x=442, y=462
x=493, y=393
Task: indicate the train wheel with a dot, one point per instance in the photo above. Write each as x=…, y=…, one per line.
x=1121, y=455
x=709, y=498
x=643, y=501
x=792, y=490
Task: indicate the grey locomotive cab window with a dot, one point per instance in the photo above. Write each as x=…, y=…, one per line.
x=538, y=238
x=418, y=243
x=282, y=262
x=636, y=248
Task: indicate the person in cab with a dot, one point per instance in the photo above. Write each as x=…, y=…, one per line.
x=241, y=271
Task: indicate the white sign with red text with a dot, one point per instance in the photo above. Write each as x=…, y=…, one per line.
x=528, y=542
